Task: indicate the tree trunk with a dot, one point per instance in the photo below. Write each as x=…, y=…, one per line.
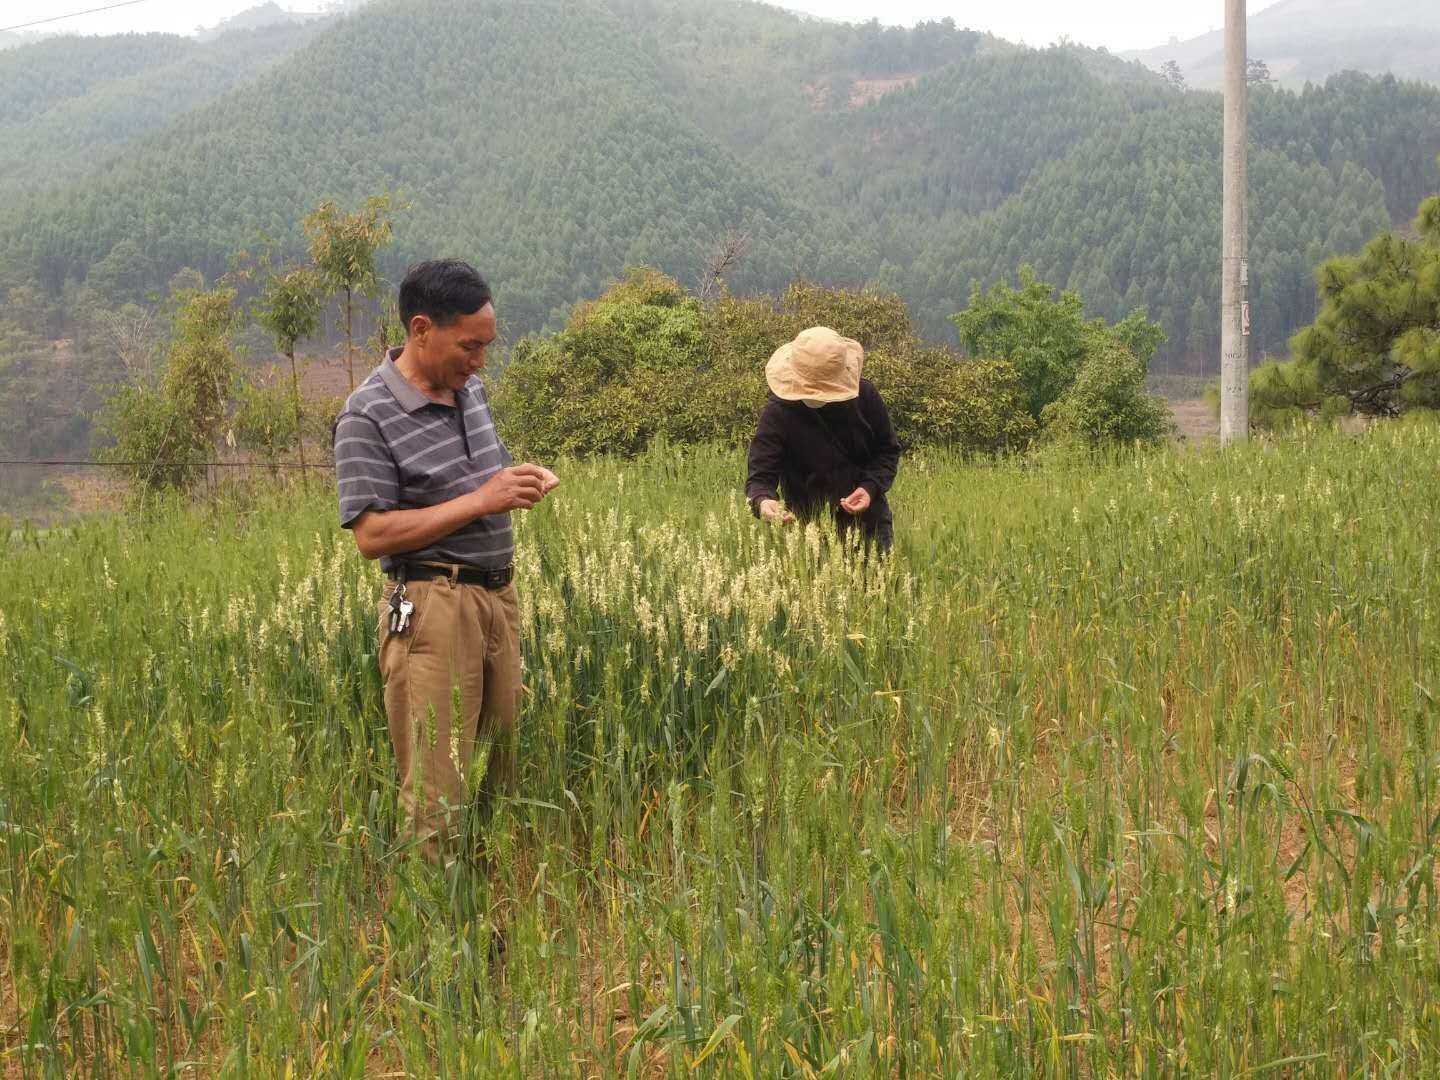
x=299, y=416
x=349, y=342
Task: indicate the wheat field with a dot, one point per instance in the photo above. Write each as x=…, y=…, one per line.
x=1122, y=768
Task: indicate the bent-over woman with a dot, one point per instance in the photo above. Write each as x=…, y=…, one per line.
x=824, y=443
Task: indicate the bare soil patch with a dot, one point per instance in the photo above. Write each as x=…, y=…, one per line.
x=1194, y=420
x=868, y=90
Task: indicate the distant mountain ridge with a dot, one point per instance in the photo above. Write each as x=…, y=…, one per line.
x=257, y=18
x=1310, y=40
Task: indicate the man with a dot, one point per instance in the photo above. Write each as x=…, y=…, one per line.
x=427, y=487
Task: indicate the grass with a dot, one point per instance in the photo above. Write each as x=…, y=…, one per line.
x=1115, y=769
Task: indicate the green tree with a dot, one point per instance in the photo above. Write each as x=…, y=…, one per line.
x=1107, y=403
x=1043, y=336
x=288, y=308
x=167, y=426
x=1046, y=336
x=343, y=246
x=123, y=275
x=1374, y=348
x=1077, y=375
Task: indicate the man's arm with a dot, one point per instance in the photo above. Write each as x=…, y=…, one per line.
x=393, y=532
x=390, y=532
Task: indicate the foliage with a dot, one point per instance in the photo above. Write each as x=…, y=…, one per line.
x=1079, y=376
x=937, y=398
x=635, y=365
x=123, y=276
x=875, y=318
x=72, y=104
x=289, y=306
x=1106, y=404
x=1130, y=218
x=166, y=426
x=646, y=320
x=1374, y=348
x=1285, y=394
x=29, y=377
x=648, y=362
x=267, y=421
x=343, y=245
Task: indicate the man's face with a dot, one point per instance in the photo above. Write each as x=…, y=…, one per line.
x=455, y=351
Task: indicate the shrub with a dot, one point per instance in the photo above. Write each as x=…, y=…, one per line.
x=647, y=361
x=1107, y=403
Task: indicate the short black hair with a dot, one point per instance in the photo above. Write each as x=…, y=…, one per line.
x=443, y=290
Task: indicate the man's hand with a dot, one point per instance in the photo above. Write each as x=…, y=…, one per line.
x=857, y=502
x=517, y=488
x=771, y=510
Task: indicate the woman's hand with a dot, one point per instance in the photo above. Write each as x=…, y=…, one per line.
x=857, y=502
x=771, y=510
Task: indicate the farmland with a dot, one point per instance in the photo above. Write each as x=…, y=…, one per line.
x=1116, y=768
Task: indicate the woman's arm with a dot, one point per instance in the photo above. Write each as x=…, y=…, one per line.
x=879, y=472
x=767, y=451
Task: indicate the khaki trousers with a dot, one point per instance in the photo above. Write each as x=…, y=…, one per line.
x=452, y=692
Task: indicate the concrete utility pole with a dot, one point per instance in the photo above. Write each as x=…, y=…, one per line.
x=1235, y=283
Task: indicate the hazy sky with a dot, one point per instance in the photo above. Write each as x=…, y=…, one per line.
x=1116, y=24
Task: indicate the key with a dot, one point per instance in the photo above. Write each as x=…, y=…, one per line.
x=397, y=599
x=406, y=609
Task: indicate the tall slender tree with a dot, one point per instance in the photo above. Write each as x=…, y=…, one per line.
x=288, y=308
x=343, y=246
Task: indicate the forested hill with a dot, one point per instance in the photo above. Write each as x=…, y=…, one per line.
x=554, y=143
x=69, y=104
x=539, y=139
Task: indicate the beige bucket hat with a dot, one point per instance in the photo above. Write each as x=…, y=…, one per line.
x=819, y=365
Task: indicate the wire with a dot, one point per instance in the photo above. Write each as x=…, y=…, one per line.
x=72, y=15
x=53, y=463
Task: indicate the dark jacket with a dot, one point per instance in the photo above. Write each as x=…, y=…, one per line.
x=816, y=457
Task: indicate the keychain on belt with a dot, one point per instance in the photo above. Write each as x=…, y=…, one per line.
x=400, y=607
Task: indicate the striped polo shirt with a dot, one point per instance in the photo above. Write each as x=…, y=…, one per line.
x=395, y=449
